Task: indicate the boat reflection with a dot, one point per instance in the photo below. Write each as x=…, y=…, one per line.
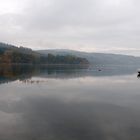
x=138, y=75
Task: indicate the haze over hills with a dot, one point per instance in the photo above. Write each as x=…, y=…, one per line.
x=10, y=54
x=98, y=58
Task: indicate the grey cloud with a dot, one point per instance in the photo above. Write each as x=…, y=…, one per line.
x=98, y=24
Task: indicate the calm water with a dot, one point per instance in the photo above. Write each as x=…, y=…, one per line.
x=69, y=103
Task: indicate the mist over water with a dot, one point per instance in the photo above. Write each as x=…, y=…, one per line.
x=38, y=103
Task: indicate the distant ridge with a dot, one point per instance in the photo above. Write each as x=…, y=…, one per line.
x=27, y=55
x=98, y=58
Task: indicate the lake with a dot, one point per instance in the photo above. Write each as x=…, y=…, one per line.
x=57, y=103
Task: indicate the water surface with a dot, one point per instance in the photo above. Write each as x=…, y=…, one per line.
x=39, y=103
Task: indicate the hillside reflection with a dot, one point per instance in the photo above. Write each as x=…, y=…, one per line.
x=9, y=73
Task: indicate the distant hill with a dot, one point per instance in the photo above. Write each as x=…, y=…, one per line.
x=14, y=54
x=98, y=58
x=10, y=54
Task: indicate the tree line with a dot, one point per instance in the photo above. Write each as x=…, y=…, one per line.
x=10, y=54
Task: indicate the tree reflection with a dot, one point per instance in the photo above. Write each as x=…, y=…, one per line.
x=24, y=73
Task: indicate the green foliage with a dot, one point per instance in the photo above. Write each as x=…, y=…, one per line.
x=13, y=54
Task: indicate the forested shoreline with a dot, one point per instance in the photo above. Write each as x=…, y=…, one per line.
x=10, y=54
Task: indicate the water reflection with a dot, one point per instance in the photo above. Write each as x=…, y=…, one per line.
x=40, y=117
x=75, y=104
x=24, y=73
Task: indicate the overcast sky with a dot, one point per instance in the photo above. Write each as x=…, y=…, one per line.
x=110, y=26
